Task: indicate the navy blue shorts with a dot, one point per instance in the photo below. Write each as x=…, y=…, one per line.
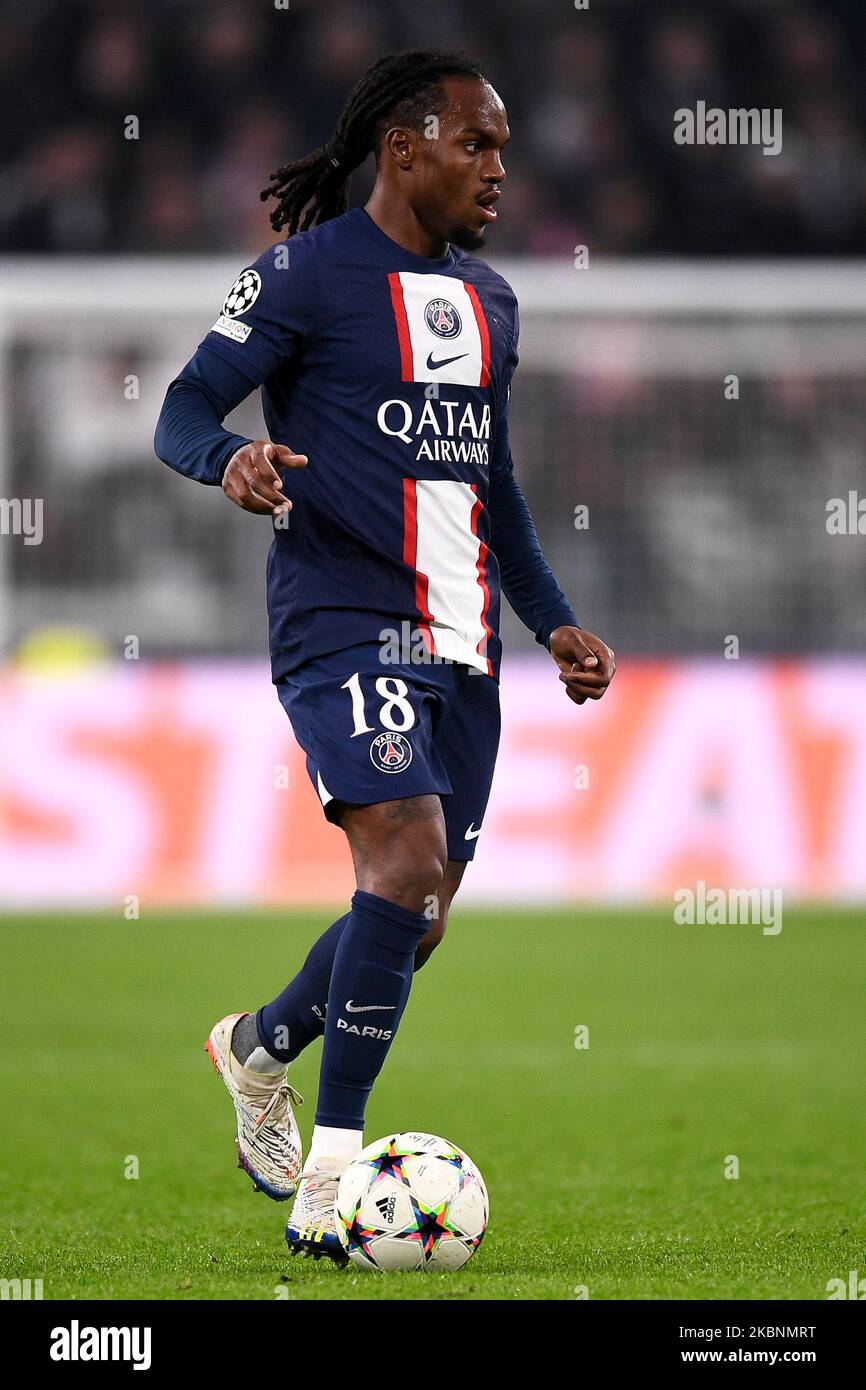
x=376, y=732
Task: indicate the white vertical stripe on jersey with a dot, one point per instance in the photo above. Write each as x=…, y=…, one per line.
x=418, y=292
x=447, y=554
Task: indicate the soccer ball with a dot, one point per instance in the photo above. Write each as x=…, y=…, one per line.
x=411, y=1201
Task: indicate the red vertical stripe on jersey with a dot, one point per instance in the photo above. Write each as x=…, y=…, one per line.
x=407, y=364
x=410, y=556
x=484, y=379
x=481, y=567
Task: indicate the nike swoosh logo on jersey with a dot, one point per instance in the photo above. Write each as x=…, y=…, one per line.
x=366, y=1008
x=472, y=834
x=431, y=365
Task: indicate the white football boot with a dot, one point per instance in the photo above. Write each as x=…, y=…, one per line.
x=312, y=1226
x=268, y=1142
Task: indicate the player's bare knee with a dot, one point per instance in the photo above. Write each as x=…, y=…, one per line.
x=418, y=856
x=416, y=881
x=411, y=870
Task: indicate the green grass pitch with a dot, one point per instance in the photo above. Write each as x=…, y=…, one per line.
x=605, y=1166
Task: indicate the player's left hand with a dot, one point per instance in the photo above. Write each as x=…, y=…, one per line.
x=585, y=663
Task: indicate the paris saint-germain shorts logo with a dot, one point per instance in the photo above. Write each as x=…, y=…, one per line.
x=391, y=752
x=442, y=319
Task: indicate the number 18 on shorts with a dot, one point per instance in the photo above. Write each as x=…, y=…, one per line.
x=374, y=734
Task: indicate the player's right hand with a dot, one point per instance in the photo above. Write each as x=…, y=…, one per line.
x=251, y=479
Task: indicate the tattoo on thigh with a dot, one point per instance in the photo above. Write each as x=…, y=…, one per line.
x=414, y=808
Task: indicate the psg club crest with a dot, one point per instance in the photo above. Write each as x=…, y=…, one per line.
x=391, y=752
x=442, y=318
x=243, y=293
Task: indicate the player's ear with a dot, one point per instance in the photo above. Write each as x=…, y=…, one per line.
x=399, y=145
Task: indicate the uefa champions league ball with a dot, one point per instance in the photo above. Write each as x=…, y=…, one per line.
x=411, y=1201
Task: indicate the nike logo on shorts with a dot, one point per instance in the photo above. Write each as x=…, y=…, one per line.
x=472, y=834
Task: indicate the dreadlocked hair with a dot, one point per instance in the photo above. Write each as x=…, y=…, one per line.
x=399, y=89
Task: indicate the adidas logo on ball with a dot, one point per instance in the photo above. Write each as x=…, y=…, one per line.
x=385, y=1207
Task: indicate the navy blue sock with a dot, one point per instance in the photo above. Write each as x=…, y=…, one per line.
x=297, y=1016
x=370, y=982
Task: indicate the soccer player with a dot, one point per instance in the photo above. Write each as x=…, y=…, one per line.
x=385, y=351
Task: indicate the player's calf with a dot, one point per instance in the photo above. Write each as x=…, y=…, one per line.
x=437, y=911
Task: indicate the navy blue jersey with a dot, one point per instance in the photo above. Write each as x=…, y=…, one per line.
x=392, y=372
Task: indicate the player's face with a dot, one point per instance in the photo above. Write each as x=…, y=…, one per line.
x=461, y=170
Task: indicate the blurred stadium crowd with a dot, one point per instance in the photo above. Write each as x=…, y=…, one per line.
x=225, y=90
x=708, y=517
